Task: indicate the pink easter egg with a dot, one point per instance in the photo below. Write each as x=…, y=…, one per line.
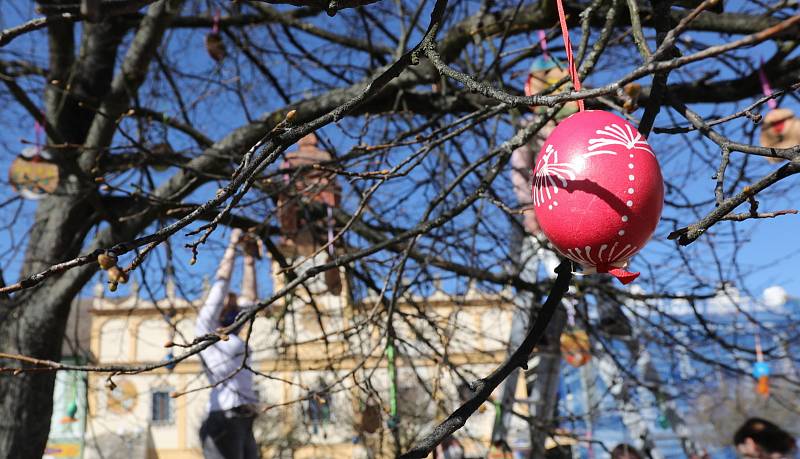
x=598, y=191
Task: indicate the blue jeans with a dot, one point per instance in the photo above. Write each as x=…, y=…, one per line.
x=228, y=435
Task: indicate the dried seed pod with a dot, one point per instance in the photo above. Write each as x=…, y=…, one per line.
x=117, y=275
x=107, y=260
x=215, y=46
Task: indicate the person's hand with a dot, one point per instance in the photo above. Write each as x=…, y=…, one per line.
x=236, y=236
x=250, y=245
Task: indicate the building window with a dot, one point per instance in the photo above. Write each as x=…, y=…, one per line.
x=161, y=412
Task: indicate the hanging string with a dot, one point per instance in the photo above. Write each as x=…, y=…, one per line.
x=570, y=313
x=759, y=355
x=573, y=73
x=215, y=27
x=38, y=130
x=765, y=87
x=761, y=370
x=589, y=445
x=330, y=230
x=392, y=370
x=543, y=44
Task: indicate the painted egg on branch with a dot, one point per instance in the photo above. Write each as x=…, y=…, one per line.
x=598, y=191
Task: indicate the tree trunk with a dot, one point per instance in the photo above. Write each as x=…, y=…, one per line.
x=33, y=322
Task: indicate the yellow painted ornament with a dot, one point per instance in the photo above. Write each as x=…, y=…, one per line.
x=32, y=176
x=575, y=347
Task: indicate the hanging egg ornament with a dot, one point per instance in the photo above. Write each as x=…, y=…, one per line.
x=760, y=369
x=762, y=388
x=544, y=73
x=216, y=47
x=72, y=410
x=662, y=421
x=780, y=129
x=761, y=372
x=598, y=191
x=368, y=416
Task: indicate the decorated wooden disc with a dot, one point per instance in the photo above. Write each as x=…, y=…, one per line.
x=544, y=73
x=32, y=176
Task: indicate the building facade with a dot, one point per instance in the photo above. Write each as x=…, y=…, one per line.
x=321, y=366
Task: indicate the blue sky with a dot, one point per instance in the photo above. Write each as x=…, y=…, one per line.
x=766, y=249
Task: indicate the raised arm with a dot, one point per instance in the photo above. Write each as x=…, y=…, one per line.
x=249, y=292
x=208, y=318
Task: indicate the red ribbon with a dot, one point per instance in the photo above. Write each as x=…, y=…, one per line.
x=573, y=72
x=626, y=277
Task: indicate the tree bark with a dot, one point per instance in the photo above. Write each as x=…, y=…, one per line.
x=33, y=324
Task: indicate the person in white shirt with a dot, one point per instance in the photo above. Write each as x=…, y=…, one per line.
x=227, y=431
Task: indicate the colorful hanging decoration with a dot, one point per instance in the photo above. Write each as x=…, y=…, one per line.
x=575, y=345
x=546, y=71
x=761, y=370
x=214, y=44
x=598, y=190
x=168, y=358
x=662, y=421
x=779, y=128
x=499, y=449
x=368, y=415
x=122, y=397
x=575, y=348
x=394, y=421
x=31, y=174
x=72, y=410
